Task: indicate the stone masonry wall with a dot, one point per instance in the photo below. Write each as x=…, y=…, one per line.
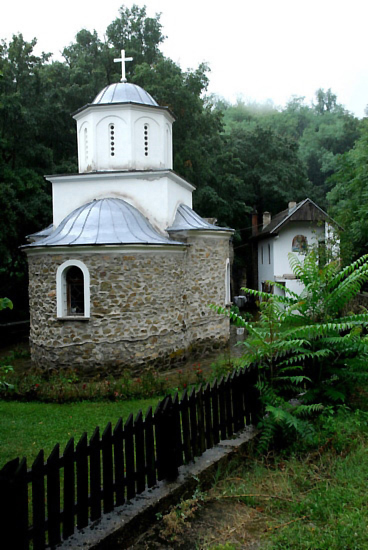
x=146, y=308
x=136, y=301
x=206, y=268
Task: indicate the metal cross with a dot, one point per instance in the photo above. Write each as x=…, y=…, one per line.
x=123, y=59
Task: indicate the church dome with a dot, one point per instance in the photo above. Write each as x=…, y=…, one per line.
x=104, y=222
x=124, y=92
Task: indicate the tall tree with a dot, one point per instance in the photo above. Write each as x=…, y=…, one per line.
x=138, y=34
x=349, y=197
x=331, y=132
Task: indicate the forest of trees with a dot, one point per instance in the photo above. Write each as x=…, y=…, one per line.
x=239, y=157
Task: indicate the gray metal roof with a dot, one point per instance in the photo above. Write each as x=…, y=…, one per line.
x=124, y=92
x=186, y=220
x=102, y=222
x=41, y=234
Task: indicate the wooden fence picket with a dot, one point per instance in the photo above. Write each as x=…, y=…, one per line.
x=200, y=417
x=53, y=496
x=215, y=413
x=69, y=489
x=177, y=430
x=129, y=457
x=208, y=416
x=236, y=401
x=19, y=536
x=158, y=437
x=166, y=446
x=95, y=474
x=119, y=464
x=184, y=409
x=107, y=470
x=81, y=453
x=150, y=449
x=240, y=400
x=38, y=502
x=139, y=453
x=228, y=407
x=193, y=423
x=222, y=406
x=247, y=395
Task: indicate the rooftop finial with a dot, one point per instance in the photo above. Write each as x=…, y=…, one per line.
x=123, y=59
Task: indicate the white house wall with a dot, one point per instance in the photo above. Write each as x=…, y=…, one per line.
x=276, y=267
x=157, y=197
x=283, y=243
x=265, y=267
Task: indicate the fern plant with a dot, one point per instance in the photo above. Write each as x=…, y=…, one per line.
x=305, y=346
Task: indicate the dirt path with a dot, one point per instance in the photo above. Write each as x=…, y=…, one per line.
x=204, y=526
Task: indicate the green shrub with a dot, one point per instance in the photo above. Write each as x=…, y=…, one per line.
x=308, y=352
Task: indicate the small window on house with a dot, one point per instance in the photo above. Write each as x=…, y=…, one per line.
x=75, y=291
x=262, y=254
x=269, y=253
x=112, y=139
x=145, y=130
x=300, y=244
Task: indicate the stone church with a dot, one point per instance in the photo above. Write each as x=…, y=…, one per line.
x=125, y=274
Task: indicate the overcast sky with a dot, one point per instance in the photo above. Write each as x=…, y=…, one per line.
x=256, y=49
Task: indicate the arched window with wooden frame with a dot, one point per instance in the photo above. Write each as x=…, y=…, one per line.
x=72, y=290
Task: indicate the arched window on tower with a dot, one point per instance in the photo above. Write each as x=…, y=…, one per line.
x=168, y=149
x=145, y=135
x=72, y=290
x=86, y=145
x=112, y=139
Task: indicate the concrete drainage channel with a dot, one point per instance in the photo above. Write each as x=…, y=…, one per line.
x=120, y=528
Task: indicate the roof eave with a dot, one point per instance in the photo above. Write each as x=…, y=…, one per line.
x=38, y=247
x=135, y=103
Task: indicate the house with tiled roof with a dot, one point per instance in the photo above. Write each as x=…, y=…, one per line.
x=297, y=228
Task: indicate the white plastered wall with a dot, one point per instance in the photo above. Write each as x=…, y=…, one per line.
x=122, y=146
x=156, y=196
x=265, y=267
x=129, y=138
x=314, y=232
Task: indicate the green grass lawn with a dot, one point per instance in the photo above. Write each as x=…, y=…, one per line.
x=25, y=428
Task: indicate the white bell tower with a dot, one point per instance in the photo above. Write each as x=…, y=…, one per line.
x=124, y=128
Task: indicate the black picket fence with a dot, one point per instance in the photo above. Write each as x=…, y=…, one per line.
x=42, y=506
